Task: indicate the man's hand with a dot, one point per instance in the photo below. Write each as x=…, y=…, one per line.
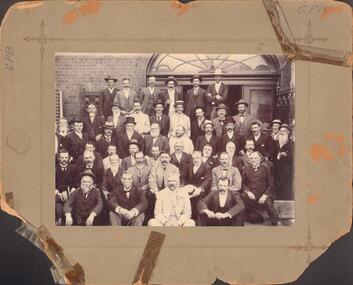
x=218, y=216
x=218, y=97
x=250, y=195
x=130, y=214
x=98, y=137
x=262, y=199
x=197, y=191
x=89, y=221
x=168, y=224
x=175, y=224
x=68, y=219
x=209, y=213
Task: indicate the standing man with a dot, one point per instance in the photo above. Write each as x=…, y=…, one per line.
x=107, y=139
x=170, y=96
x=197, y=122
x=258, y=187
x=243, y=120
x=178, y=118
x=275, y=129
x=216, y=93
x=141, y=119
x=173, y=206
x=161, y=119
x=127, y=204
x=117, y=118
x=180, y=159
x=195, y=97
x=140, y=171
x=207, y=138
x=283, y=165
x=76, y=140
x=155, y=138
x=125, y=97
x=85, y=203
x=148, y=96
x=108, y=95
x=230, y=135
x=221, y=207
x=92, y=124
x=218, y=121
x=262, y=141
x=112, y=178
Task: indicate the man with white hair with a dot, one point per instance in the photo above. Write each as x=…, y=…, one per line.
x=173, y=206
x=180, y=136
x=180, y=159
x=155, y=138
x=179, y=119
x=283, y=165
x=92, y=124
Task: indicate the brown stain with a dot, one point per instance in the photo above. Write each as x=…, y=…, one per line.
x=76, y=275
x=70, y=17
x=29, y=5
x=313, y=198
x=329, y=10
x=319, y=151
x=89, y=7
x=181, y=8
x=340, y=140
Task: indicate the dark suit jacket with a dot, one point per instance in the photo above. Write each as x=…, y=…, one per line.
x=201, y=141
x=111, y=182
x=107, y=99
x=137, y=199
x=218, y=127
x=212, y=101
x=65, y=179
x=234, y=204
x=147, y=100
x=192, y=101
x=102, y=146
x=62, y=142
x=164, y=96
x=195, y=129
x=120, y=127
x=264, y=145
x=212, y=162
x=122, y=143
x=258, y=182
x=202, y=178
x=97, y=169
x=75, y=145
x=161, y=141
x=164, y=124
x=184, y=161
x=244, y=128
x=236, y=139
x=92, y=128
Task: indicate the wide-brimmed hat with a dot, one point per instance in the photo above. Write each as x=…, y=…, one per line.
x=170, y=78
x=196, y=76
x=276, y=121
x=88, y=172
x=241, y=101
x=221, y=106
x=228, y=120
x=206, y=122
x=285, y=126
x=158, y=102
x=179, y=102
x=110, y=78
x=130, y=120
x=135, y=142
x=108, y=125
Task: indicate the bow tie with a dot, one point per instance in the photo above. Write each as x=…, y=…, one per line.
x=225, y=169
x=222, y=121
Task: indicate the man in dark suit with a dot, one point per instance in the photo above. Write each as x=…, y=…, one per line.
x=155, y=138
x=125, y=98
x=180, y=159
x=76, y=140
x=257, y=190
x=127, y=204
x=170, y=96
x=230, y=135
x=218, y=121
x=130, y=161
x=207, y=137
x=98, y=158
x=85, y=203
x=207, y=158
x=161, y=119
x=107, y=96
x=198, y=176
x=216, y=93
x=107, y=139
x=221, y=207
x=197, y=123
x=195, y=97
x=92, y=124
x=65, y=181
x=123, y=139
x=148, y=96
x=243, y=120
x=140, y=171
x=262, y=141
x=90, y=162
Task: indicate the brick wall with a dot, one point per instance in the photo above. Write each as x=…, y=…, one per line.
x=76, y=71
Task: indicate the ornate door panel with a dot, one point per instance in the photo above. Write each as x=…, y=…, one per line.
x=261, y=102
x=89, y=97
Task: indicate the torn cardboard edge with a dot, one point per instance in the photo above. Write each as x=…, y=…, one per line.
x=294, y=51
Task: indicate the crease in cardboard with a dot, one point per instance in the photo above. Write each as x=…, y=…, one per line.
x=292, y=50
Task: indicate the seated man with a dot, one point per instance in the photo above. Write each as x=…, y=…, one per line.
x=107, y=139
x=127, y=204
x=85, y=203
x=112, y=177
x=140, y=171
x=173, y=206
x=155, y=138
x=154, y=158
x=90, y=162
x=106, y=161
x=142, y=120
x=180, y=159
x=226, y=170
x=207, y=158
x=257, y=187
x=130, y=161
x=234, y=160
x=221, y=207
x=180, y=136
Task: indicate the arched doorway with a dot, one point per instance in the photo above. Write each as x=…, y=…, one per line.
x=253, y=78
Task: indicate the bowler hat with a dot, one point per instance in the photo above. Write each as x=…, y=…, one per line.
x=88, y=172
x=158, y=102
x=221, y=106
x=285, y=126
x=110, y=78
x=206, y=122
x=241, y=101
x=276, y=121
x=196, y=76
x=108, y=125
x=170, y=78
x=130, y=120
x=228, y=120
x=135, y=142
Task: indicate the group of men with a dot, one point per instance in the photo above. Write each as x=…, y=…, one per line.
x=162, y=159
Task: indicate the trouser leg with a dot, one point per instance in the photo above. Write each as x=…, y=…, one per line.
x=271, y=211
x=238, y=219
x=154, y=223
x=58, y=210
x=115, y=219
x=138, y=220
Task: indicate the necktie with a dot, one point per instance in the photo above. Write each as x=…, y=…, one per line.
x=139, y=174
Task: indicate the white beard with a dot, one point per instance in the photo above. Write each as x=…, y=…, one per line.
x=282, y=139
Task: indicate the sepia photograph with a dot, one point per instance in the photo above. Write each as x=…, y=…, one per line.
x=174, y=140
